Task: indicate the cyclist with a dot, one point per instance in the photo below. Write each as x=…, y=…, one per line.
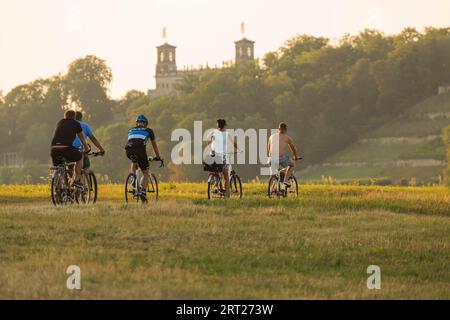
x=87, y=133
x=136, y=150
x=62, y=149
x=220, y=139
x=279, y=145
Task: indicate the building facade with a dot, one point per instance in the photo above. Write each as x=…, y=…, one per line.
x=168, y=75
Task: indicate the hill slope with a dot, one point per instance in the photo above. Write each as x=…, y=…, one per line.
x=407, y=147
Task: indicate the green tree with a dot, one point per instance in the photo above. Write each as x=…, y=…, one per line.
x=36, y=143
x=88, y=79
x=362, y=91
x=131, y=98
x=373, y=44
x=189, y=83
x=90, y=69
x=115, y=164
x=24, y=105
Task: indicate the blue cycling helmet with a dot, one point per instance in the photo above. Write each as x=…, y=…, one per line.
x=142, y=118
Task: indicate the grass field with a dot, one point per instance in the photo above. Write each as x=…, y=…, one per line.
x=184, y=247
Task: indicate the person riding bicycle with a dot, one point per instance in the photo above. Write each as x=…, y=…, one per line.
x=62, y=149
x=220, y=139
x=278, y=146
x=87, y=133
x=136, y=150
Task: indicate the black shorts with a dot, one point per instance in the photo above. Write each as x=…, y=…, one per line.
x=139, y=156
x=65, y=154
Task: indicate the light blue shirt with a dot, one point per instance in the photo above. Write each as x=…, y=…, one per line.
x=87, y=133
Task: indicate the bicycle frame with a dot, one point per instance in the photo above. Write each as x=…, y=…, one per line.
x=61, y=173
x=137, y=182
x=280, y=176
x=231, y=171
x=216, y=179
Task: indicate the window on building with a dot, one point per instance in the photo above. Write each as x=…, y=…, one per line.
x=171, y=56
x=249, y=52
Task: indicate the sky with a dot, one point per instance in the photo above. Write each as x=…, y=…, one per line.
x=39, y=38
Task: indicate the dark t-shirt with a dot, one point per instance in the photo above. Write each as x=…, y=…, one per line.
x=65, y=132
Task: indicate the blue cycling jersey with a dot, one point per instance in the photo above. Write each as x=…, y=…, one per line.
x=87, y=132
x=139, y=136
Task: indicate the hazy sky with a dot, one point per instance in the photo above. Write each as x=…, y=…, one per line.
x=39, y=38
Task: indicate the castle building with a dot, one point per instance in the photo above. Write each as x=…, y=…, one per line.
x=167, y=73
x=245, y=51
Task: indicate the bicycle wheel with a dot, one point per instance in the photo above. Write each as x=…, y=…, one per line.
x=94, y=187
x=130, y=190
x=292, y=191
x=83, y=194
x=152, y=189
x=214, y=187
x=235, y=187
x=56, y=190
x=60, y=190
x=273, y=189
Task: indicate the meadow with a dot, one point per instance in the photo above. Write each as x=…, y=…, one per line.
x=184, y=247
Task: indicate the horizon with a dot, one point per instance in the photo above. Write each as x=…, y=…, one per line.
x=58, y=32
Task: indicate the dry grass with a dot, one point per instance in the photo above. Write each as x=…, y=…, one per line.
x=185, y=247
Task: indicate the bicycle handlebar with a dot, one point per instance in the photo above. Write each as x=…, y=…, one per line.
x=95, y=154
x=151, y=159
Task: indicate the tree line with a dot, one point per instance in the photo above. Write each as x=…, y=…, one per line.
x=330, y=94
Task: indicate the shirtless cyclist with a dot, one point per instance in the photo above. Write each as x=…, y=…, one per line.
x=281, y=147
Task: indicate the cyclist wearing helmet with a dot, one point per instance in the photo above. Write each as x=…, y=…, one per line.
x=136, y=150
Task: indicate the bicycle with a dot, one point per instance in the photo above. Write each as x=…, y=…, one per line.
x=276, y=186
x=62, y=192
x=91, y=176
x=133, y=189
x=216, y=184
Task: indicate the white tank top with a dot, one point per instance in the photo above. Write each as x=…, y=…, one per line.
x=220, y=141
